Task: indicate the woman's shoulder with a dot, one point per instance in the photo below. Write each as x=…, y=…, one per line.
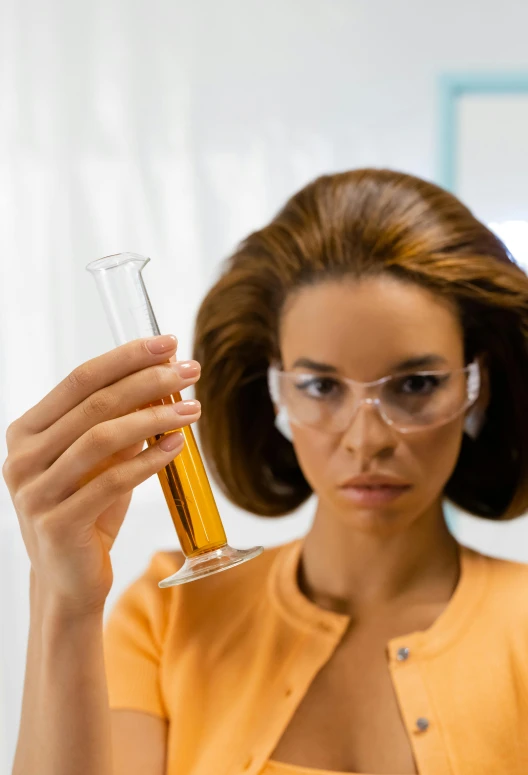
x=507, y=583
x=502, y=569
x=144, y=606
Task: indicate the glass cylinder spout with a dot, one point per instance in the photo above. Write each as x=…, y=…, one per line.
x=184, y=480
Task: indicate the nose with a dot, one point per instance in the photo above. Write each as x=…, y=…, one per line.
x=367, y=433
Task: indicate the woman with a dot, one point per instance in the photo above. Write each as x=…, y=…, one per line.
x=385, y=328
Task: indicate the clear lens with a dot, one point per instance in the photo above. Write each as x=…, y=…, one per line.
x=420, y=400
x=407, y=402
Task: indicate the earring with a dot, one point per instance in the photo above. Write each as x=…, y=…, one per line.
x=474, y=422
x=283, y=424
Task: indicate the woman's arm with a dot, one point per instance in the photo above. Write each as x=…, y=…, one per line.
x=65, y=722
x=66, y=726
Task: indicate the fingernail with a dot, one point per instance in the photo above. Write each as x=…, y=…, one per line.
x=186, y=369
x=186, y=407
x=172, y=441
x=160, y=344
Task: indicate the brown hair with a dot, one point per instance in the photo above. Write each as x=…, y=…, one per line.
x=358, y=223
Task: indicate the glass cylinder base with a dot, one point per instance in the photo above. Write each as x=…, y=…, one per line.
x=210, y=562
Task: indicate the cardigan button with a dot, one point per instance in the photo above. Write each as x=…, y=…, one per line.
x=402, y=654
x=422, y=724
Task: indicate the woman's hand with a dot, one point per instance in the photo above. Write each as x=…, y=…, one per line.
x=75, y=457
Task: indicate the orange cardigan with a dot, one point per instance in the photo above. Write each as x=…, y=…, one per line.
x=227, y=659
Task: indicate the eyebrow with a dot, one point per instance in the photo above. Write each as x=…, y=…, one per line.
x=416, y=362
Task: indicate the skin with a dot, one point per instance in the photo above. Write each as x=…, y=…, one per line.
x=392, y=569
x=356, y=559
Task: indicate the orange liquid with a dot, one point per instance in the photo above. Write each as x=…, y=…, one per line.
x=188, y=494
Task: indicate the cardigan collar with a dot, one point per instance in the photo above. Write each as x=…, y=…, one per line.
x=301, y=612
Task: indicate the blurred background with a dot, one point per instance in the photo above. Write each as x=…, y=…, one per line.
x=174, y=128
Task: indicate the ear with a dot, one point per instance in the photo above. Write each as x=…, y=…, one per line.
x=476, y=414
x=484, y=397
x=273, y=388
x=282, y=423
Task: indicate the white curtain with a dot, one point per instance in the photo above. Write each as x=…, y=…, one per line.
x=174, y=128
x=99, y=154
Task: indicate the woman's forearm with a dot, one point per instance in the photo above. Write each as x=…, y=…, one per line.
x=65, y=720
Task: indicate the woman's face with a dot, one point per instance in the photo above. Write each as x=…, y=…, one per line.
x=364, y=329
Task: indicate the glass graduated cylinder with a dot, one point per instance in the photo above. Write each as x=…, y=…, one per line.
x=184, y=480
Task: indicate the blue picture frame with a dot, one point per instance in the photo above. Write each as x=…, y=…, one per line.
x=453, y=86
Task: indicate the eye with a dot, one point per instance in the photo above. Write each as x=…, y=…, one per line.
x=318, y=387
x=420, y=384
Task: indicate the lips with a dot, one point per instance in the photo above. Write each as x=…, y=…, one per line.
x=373, y=490
x=375, y=481
x=374, y=495
x=378, y=487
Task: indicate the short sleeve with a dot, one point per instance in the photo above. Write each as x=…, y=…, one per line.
x=133, y=638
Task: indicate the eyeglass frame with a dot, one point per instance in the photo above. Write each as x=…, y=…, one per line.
x=473, y=386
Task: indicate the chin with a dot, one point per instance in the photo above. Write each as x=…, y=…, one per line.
x=368, y=517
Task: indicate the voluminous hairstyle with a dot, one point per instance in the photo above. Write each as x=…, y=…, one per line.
x=351, y=225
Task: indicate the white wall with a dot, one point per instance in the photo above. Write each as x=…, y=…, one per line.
x=173, y=128
x=492, y=132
